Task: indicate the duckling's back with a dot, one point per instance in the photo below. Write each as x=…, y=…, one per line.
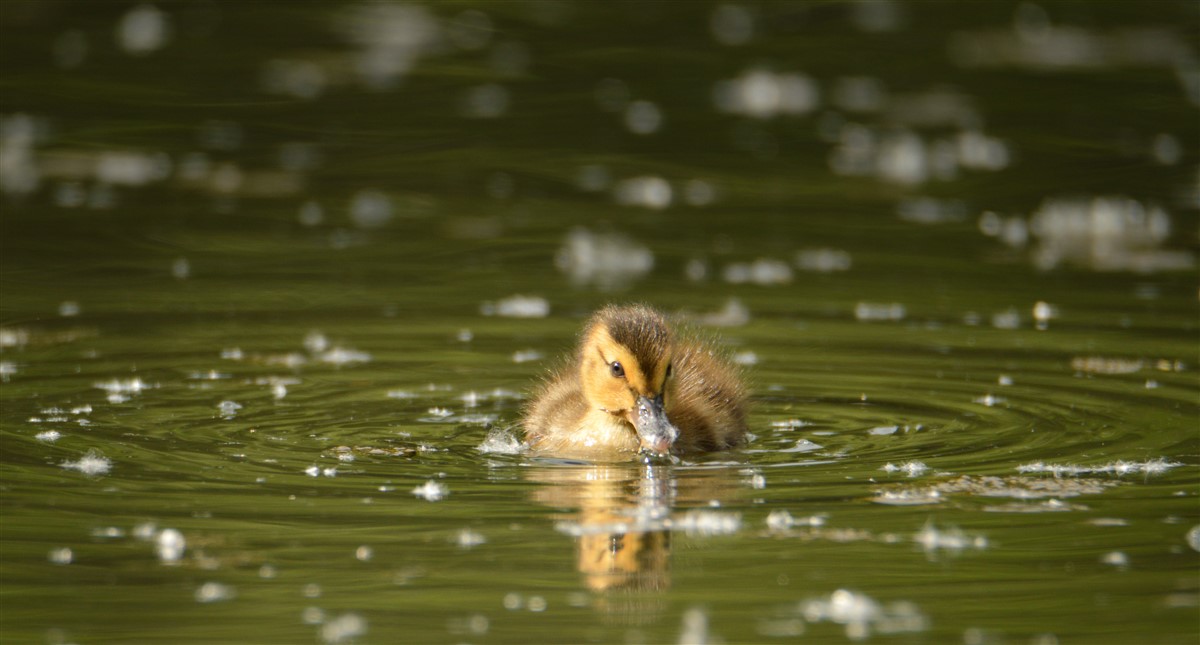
x=707, y=401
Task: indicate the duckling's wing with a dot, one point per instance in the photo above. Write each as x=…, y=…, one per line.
x=557, y=406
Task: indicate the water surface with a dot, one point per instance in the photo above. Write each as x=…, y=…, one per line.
x=275, y=281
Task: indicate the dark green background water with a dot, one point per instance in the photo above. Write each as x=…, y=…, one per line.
x=306, y=209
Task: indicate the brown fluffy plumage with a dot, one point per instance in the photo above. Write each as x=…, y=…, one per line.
x=628, y=370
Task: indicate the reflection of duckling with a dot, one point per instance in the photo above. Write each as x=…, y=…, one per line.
x=633, y=386
x=619, y=516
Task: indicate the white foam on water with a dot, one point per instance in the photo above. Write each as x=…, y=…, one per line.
x=92, y=464
x=517, y=306
x=343, y=629
x=862, y=615
x=214, y=592
x=431, y=491
x=933, y=539
x=1155, y=466
x=467, y=539
x=170, y=545
x=910, y=468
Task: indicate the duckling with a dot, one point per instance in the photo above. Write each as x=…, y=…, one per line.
x=635, y=387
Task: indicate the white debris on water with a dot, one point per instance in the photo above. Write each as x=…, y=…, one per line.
x=1116, y=559
x=485, y=101
x=527, y=356
x=764, y=94
x=908, y=497
x=707, y=523
x=930, y=211
x=181, y=269
x=169, y=544
x=732, y=314
x=1105, y=233
x=697, y=192
x=1012, y=231
x=746, y=358
x=145, y=531
x=861, y=615
x=19, y=170
x=912, y=468
x=467, y=539
x=1193, y=537
x=645, y=191
x=643, y=117
x=214, y=592
x=371, y=209
x=119, y=391
x=1035, y=43
x=431, y=491
x=933, y=539
x=92, y=464
x=1106, y=365
x=762, y=271
x=517, y=306
x=61, y=555
x=228, y=409
x=142, y=30
x=802, y=445
x=48, y=436
x=1156, y=466
x=1008, y=319
x=606, y=261
x=989, y=400
x=343, y=629
x=1043, y=313
x=883, y=430
x=731, y=24
x=391, y=40
x=315, y=342
x=343, y=356
x=870, y=311
x=822, y=260
x=278, y=385
x=782, y=520
x=694, y=630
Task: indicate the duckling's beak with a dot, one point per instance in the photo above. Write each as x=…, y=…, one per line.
x=655, y=430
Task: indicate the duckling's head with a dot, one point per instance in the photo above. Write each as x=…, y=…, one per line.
x=625, y=363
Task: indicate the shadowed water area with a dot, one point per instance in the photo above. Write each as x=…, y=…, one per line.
x=276, y=280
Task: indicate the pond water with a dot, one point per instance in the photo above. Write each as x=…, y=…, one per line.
x=278, y=278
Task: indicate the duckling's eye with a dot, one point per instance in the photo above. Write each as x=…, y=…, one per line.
x=668, y=370
x=617, y=370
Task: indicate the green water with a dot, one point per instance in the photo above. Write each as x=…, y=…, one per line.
x=246, y=253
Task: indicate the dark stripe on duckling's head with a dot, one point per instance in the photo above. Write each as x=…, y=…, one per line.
x=640, y=329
